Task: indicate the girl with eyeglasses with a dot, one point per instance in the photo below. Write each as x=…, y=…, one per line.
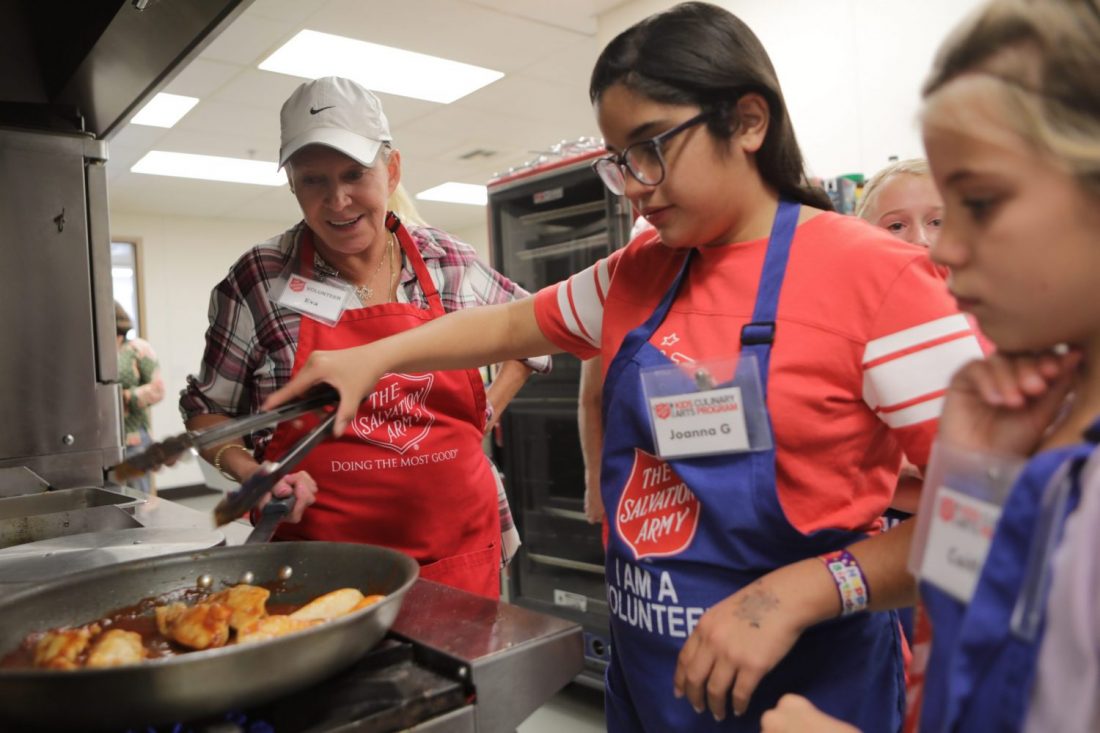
x=766, y=363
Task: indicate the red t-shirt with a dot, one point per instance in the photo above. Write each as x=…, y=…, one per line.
x=867, y=338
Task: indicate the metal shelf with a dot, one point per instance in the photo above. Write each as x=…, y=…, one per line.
x=596, y=240
x=565, y=211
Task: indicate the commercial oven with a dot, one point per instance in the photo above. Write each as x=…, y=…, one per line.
x=548, y=222
x=72, y=77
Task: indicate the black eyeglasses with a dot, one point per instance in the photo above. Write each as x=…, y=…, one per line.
x=643, y=159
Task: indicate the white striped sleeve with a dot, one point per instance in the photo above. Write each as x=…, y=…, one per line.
x=905, y=374
x=580, y=301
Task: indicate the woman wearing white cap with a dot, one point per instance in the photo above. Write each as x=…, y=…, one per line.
x=411, y=474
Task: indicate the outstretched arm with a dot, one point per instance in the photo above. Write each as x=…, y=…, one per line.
x=460, y=340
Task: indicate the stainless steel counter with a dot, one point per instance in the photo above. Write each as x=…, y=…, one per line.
x=47, y=534
x=515, y=659
x=161, y=513
x=510, y=660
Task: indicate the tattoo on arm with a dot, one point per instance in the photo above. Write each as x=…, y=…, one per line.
x=756, y=603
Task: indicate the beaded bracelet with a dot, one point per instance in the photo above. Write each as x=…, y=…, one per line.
x=218, y=459
x=851, y=583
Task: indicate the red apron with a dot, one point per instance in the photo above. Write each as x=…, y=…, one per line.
x=410, y=472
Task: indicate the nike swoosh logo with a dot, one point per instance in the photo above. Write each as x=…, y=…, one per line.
x=315, y=110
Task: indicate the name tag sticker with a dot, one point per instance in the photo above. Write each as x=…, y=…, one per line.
x=961, y=532
x=699, y=423
x=319, y=300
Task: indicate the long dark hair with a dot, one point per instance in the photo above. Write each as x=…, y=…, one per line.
x=700, y=54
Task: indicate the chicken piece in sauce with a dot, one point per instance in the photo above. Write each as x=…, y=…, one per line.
x=246, y=601
x=330, y=605
x=368, y=601
x=202, y=626
x=115, y=648
x=62, y=649
x=272, y=627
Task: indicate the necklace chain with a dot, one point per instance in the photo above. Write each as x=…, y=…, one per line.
x=366, y=292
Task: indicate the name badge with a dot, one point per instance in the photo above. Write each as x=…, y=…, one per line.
x=317, y=299
x=961, y=532
x=699, y=423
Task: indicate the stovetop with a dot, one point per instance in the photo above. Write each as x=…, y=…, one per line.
x=394, y=687
x=453, y=662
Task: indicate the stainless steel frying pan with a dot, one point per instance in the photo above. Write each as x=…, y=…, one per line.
x=196, y=684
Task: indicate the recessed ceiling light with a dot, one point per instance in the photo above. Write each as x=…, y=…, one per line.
x=164, y=110
x=210, y=168
x=456, y=193
x=312, y=54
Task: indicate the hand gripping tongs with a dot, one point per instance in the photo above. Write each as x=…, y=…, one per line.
x=240, y=501
x=259, y=484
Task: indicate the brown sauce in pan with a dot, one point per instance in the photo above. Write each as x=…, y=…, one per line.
x=140, y=619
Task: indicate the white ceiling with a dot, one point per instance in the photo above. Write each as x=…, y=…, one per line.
x=546, y=51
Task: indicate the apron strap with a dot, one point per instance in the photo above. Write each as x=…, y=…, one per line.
x=757, y=337
x=408, y=246
x=640, y=335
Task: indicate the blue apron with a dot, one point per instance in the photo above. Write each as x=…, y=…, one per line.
x=980, y=671
x=849, y=667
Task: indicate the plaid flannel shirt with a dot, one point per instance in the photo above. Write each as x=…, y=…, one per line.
x=251, y=341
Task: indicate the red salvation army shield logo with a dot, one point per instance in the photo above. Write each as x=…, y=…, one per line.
x=663, y=410
x=947, y=508
x=394, y=416
x=657, y=514
x=297, y=284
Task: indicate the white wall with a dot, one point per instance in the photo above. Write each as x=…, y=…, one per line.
x=851, y=70
x=182, y=258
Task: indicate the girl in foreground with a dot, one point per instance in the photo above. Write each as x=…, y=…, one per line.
x=1012, y=129
x=765, y=364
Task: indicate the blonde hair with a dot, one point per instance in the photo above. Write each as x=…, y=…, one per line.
x=401, y=203
x=873, y=187
x=1043, y=57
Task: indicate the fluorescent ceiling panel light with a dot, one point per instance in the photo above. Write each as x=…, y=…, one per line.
x=456, y=193
x=312, y=54
x=164, y=110
x=210, y=168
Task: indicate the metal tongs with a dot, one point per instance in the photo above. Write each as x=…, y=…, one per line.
x=259, y=484
x=169, y=449
x=263, y=480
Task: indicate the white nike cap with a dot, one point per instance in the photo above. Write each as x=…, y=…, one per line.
x=335, y=112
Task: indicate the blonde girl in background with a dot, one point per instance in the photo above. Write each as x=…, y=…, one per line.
x=902, y=199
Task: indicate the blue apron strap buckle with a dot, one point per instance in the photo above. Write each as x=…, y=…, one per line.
x=759, y=332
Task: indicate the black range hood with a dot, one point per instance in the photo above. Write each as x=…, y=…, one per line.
x=90, y=65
